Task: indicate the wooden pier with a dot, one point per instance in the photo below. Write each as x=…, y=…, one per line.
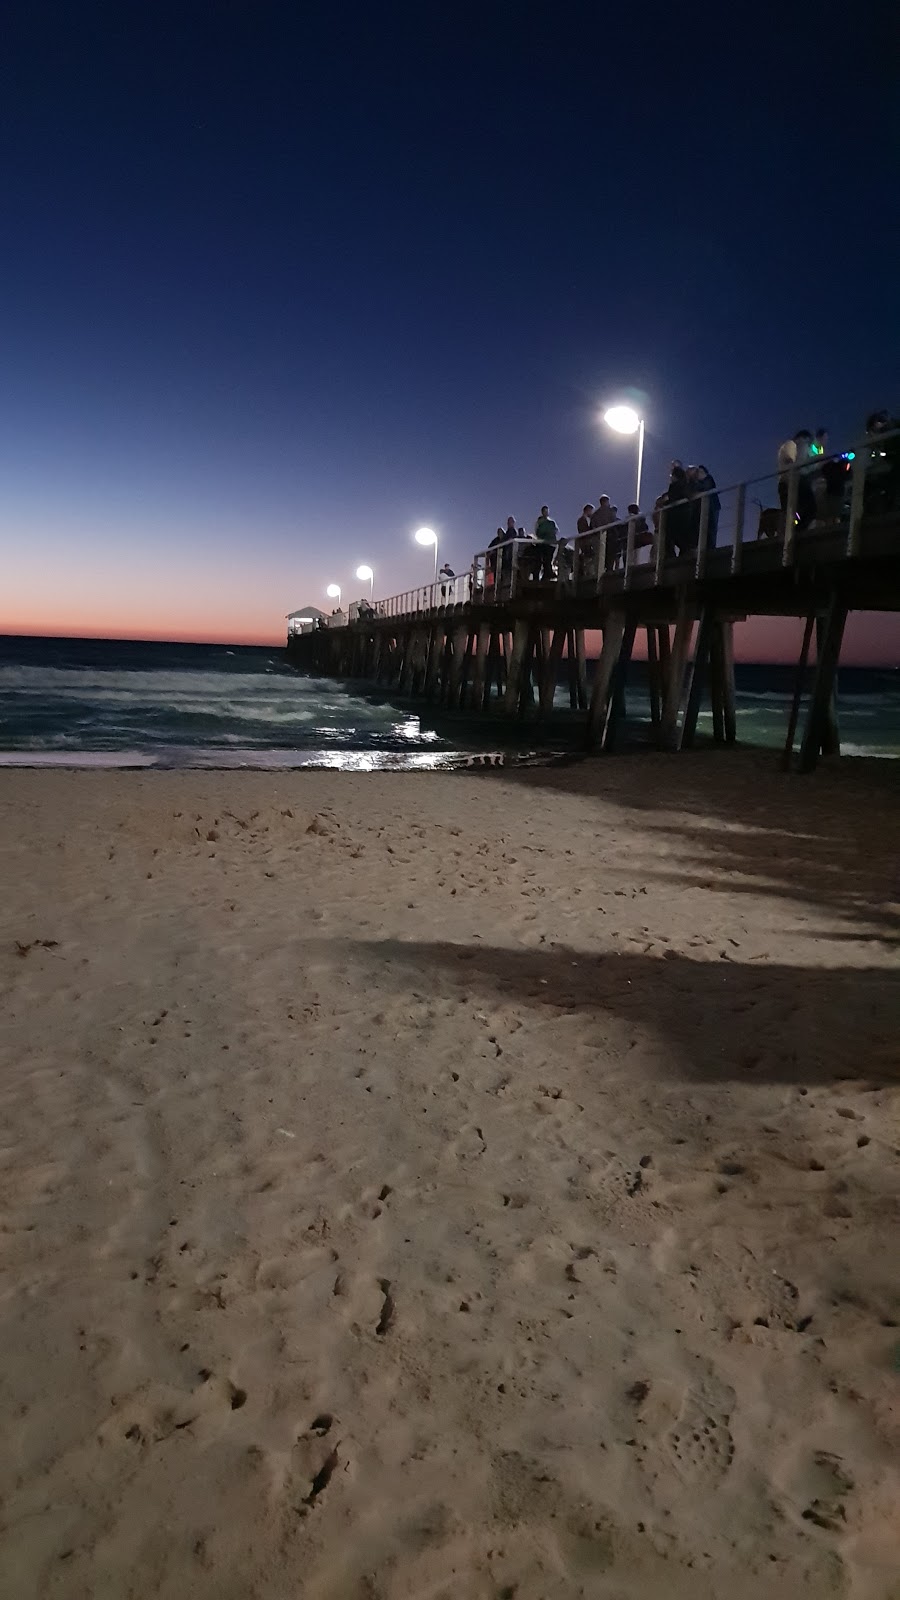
x=497, y=642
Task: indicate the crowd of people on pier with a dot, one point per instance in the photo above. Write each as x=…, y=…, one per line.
x=821, y=489
x=550, y=555
x=812, y=482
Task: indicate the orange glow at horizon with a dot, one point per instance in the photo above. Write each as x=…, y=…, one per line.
x=871, y=639
x=148, y=635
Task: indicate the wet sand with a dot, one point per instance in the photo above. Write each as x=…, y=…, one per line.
x=451, y=1185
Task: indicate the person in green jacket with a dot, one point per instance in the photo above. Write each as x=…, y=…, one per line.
x=546, y=533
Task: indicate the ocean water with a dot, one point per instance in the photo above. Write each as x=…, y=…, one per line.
x=121, y=703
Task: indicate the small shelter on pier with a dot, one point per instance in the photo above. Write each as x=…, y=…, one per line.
x=304, y=620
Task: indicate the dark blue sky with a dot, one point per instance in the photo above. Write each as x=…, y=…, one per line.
x=279, y=282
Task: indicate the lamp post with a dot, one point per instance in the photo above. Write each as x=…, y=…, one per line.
x=334, y=593
x=428, y=536
x=366, y=575
x=624, y=419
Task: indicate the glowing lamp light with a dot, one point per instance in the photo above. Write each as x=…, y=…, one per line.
x=365, y=574
x=622, y=419
x=333, y=591
x=427, y=536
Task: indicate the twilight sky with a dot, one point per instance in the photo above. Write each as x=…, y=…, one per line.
x=279, y=282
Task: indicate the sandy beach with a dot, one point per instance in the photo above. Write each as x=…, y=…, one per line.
x=451, y=1186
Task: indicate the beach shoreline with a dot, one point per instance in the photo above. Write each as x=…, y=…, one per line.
x=451, y=1184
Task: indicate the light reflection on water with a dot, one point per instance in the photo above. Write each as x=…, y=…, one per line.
x=185, y=756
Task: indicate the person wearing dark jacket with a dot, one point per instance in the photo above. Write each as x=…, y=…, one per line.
x=703, y=481
x=679, y=520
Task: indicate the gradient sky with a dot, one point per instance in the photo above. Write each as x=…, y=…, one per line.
x=281, y=281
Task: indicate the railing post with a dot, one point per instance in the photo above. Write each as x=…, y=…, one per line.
x=738, y=539
x=790, y=517
x=702, y=537
x=629, y=551
x=659, y=553
x=857, y=500
x=601, y=558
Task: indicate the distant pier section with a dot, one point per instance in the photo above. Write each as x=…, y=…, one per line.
x=499, y=639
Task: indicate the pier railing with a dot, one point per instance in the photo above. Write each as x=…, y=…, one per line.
x=759, y=524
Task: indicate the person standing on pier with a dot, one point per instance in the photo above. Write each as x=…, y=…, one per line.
x=546, y=533
x=703, y=483
x=679, y=517
x=582, y=553
x=601, y=518
x=642, y=535
x=798, y=452
x=505, y=536
x=604, y=514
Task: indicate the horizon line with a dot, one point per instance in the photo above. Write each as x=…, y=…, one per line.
x=228, y=641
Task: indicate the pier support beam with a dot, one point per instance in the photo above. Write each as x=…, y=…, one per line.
x=460, y=638
x=696, y=676
x=799, y=683
x=653, y=677
x=433, y=659
x=831, y=737
x=668, y=732
x=726, y=634
x=581, y=669
x=553, y=657
x=817, y=724
x=479, y=673
x=515, y=667
x=613, y=634
x=616, y=716
x=529, y=673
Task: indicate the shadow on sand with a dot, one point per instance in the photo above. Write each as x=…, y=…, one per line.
x=729, y=820
x=722, y=1020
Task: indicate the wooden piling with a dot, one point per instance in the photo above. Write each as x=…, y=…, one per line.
x=515, y=664
x=613, y=634
x=653, y=676
x=615, y=719
x=551, y=671
x=799, y=685
x=717, y=683
x=831, y=736
x=479, y=671
x=526, y=682
x=726, y=630
x=817, y=723
x=674, y=685
x=696, y=676
x=581, y=668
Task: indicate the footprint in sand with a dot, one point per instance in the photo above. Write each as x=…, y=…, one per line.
x=689, y=1430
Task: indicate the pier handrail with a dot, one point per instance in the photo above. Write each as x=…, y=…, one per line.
x=502, y=571
x=488, y=561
